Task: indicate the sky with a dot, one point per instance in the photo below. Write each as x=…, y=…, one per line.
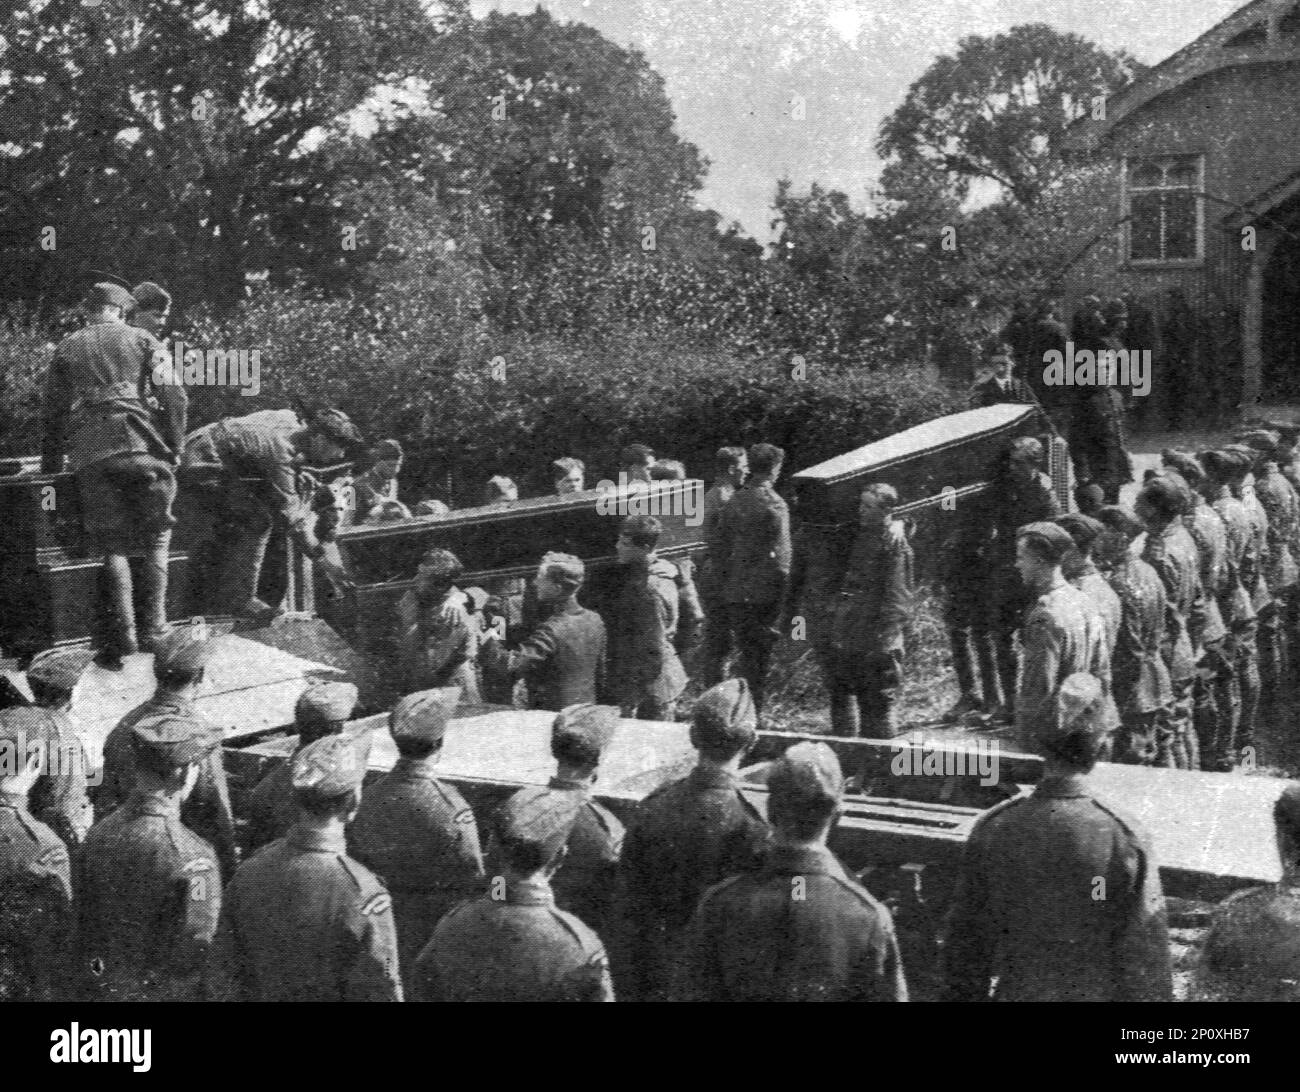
x=739, y=72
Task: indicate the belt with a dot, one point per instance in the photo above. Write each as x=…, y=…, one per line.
x=114, y=392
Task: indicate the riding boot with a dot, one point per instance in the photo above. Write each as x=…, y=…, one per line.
x=153, y=590
x=120, y=640
x=963, y=663
x=241, y=569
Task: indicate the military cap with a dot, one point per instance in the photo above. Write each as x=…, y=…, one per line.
x=538, y=817
x=807, y=774
x=331, y=766
x=1183, y=463
x=1089, y=496
x=1261, y=441
x=387, y=449
x=1078, y=706
x=583, y=731
x=1247, y=455
x=59, y=668
x=1223, y=464
x=325, y=702
x=151, y=297
x=336, y=425
x=1121, y=519
x=1055, y=539
x=168, y=738
x=725, y=716
x=1083, y=529
x=107, y=294
x=184, y=649
x=424, y=714
x=1166, y=493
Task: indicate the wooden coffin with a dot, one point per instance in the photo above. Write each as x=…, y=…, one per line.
x=502, y=542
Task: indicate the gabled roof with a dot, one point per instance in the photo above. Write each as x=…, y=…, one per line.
x=1260, y=32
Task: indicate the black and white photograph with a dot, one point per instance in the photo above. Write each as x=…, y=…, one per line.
x=650, y=501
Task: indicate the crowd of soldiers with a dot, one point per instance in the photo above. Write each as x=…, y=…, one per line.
x=1149, y=633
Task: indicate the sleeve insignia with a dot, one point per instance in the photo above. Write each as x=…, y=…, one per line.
x=377, y=904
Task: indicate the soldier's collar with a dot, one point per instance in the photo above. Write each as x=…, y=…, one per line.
x=315, y=840
x=145, y=802
x=1063, y=785
x=570, y=783
x=816, y=860
x=532, y=892
x=417, y=769
x=713, y=777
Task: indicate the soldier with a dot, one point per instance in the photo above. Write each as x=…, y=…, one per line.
x=568, y=475
x=1236, y=603
x=751, y=547
x=1082, y=572
x=267, y=447
x=668, y=470
x=180, y=668
x=59, y=798
x=323, y=710
x=1139, y=676
x=864, y=664
x=645, y=674
x=36, y=916
x=1252, y=952
x=303, y=921
x=1170, y=550
x=1268, y=638
x=377, y=486
x=122, y=456
x=634, y=463
x=584, y=883
x=1000, y=385
x=563, y=658
x=153, y=305
x=732, y=468
x=416, y=833
x=437, y=637
x=1059, y=897
x=1046, y=333
x=148, y=888
x=1097, y=444
x=1063, y=633
x=686, y=836
x=514, y=943
x=500, y=490
x=800, y=928
x=1213, y=698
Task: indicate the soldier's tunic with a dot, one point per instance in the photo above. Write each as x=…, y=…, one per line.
x=751, y=544
x=712, y=575
x=1028, y=912
x=1237, y=608
x=520, y=948
x=149, y=893
x=36, y=915
x=1252, y=952
x=1063, y=633
x=207, y=811
x=1214, y=699
x=646, y=676
x=60, y=798
x=750, y=940
x=1139, y=676
x=303, y=921
x=562, y=659
x=1089, y=580
x=420, y=837
x=685, y=837
x=1275, y=497
x=437, y=651
x=586, y=882
x=1172, y=554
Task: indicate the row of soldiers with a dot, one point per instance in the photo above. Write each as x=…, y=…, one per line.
x=385, y=891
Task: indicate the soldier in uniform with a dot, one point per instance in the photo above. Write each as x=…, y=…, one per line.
x=1081, y=570
x=584, y=884
x=1236, y=602
x=322, y=710
x=864, y=660
x=437, y=636
x=1268, y=635
x=1001, y=385
x=303, y=921
x=36, y=916
x=1252, y=952
x=59, y=798
x=148, y=888
x=415, y=832
x=751, y=548
x=1063, y=633
x=686, y=836
x=568, y=475
x=153, y=305
x=180, y=667
x=634, y=463
x=1143, y=693
x=267, y=447
x=646, y=676
x=122, y=456
x=514, y=943
x=732, y=468
x=563, y=658
x=1059, y=897
x=800, y=928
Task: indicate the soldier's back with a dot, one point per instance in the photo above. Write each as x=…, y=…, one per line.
x=35, y=908
x=1252, y=952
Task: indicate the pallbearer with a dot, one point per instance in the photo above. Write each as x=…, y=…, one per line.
x=121, y=454
x=60, y=798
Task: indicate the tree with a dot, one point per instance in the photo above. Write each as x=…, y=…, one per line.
x=187, y=141
x=998, y=108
